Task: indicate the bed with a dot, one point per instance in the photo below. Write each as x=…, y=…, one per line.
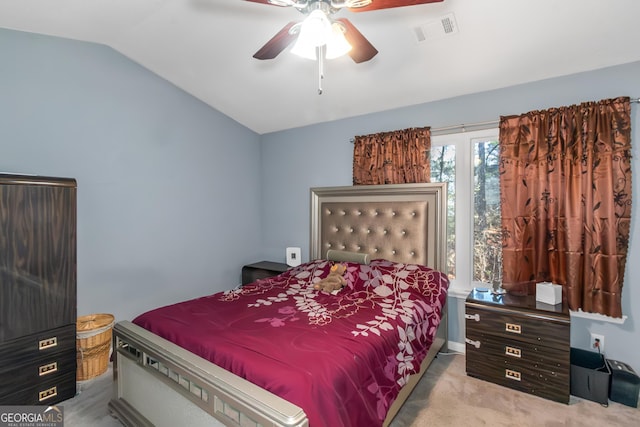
x=166, y=376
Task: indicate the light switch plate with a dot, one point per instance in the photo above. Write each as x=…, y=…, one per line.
x=293, y=257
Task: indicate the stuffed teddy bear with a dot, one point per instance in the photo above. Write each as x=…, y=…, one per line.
x=334, y=281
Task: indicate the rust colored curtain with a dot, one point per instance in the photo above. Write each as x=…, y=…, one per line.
x=565, y=182
x=396, y=157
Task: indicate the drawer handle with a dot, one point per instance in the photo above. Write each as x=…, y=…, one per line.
x=513, y=328
x=512, y=351
x=475, y=317
x=47, y=343
x=49, y=368
x=512, y=375
x=48, y=393
x=476, y=344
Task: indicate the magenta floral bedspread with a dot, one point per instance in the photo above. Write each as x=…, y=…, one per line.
x=342, y=358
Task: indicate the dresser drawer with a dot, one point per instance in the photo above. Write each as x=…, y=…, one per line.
x=538, y=330
x=47, y=392
x=549, y=384
x=480, y=346
x=37, y=373
x=39, y=368
x=39, y=346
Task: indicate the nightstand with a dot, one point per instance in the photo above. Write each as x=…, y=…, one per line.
x=262, y=270
x=520, y=343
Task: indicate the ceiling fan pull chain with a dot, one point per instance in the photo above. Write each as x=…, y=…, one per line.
x=320, y=55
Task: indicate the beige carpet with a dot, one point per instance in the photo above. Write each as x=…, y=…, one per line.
x=446, y=396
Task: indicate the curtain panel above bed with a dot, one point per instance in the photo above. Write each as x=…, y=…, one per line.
x=396, y=157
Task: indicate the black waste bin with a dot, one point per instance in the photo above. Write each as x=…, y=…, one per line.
x=590, y=376
x=625, y=383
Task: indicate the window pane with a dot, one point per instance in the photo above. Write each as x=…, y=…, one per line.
x=443, y=169
x=487, y=238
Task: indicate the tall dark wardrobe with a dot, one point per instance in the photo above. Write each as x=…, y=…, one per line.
x=37, y=289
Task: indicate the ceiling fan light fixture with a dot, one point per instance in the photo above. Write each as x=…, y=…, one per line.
x=316, y=31
x=337, y=45
x=304, y=49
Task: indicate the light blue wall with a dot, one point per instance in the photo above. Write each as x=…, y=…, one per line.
x=158, y=171
x=321, y=155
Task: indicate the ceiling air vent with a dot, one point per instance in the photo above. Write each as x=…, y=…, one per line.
x=436, y=29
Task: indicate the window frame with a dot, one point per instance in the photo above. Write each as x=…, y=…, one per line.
x=464, y=143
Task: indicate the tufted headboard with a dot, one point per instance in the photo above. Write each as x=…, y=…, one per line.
x=398, y=222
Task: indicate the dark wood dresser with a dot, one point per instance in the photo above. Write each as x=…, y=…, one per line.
x=37, y=290
x=519, y=343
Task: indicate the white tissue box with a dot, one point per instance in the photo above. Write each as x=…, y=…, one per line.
x=548, y=293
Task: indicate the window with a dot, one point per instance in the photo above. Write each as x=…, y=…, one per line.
x=468, y=162
x=487, y=238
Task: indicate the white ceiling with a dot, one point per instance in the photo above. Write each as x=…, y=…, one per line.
x=205, y=47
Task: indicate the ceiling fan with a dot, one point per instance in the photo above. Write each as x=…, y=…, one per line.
x=320, y=12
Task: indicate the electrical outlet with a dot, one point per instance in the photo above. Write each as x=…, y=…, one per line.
x=293, y=256
x=597, y=342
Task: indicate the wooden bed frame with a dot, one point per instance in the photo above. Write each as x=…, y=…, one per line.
x=158, y=383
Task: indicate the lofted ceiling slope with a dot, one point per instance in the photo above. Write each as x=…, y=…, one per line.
x=205, y=47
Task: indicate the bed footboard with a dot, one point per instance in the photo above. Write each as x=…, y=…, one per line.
x=158, y=383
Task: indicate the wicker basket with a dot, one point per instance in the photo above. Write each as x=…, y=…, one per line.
x=93, y=345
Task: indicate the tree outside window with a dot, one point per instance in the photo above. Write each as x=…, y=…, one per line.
x=468, y=162
x=487, y=235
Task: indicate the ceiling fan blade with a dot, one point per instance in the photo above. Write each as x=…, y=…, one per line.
x=361, y=49
x=277, y=44
x=263, y=2
x=388, y=4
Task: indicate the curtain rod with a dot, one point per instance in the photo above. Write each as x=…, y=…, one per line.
x=464, y=127
x=489, y=124
x=477, y=125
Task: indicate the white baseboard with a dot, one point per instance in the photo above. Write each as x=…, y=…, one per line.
x=457, y=347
